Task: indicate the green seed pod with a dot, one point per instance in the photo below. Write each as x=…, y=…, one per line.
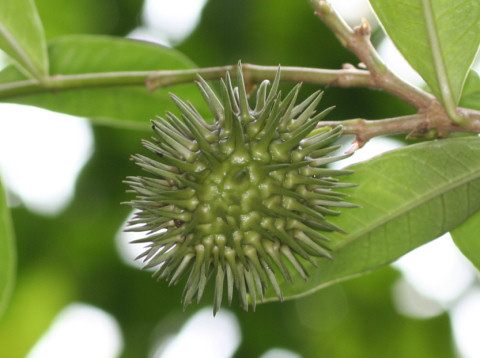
x=244, y=198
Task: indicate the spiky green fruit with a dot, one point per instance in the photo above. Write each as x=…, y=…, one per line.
x=244, y=198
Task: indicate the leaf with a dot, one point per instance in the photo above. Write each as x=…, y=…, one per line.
x=119, y=105
x=7, y=253
x=408, y=196
x=467, y=239
x=439, y=38
x=471, y=91
x=22, y=36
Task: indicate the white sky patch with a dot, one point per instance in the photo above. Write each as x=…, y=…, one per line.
x=411, y=303
x=466, y=324
x=437, y=270
x=144, y=33
x=80, y=331
x=41, y=154
x=374, y=147
x=397, y=63
x=352, y=11
x=204, y=336
x=128, y=251
x=172, y=20
x=280, y=353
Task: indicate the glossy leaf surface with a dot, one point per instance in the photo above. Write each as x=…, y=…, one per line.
x=467, y=239
x=439, y=38
x=409, y=197
x=115, y=105
x=7, y=253
x=22, y=36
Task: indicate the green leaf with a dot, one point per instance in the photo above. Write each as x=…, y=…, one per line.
x=439, y=38
x=22, y=36
x=471, y=91
x=408, y=196
x=467, y=240
x=7, y=253
x=115, y=105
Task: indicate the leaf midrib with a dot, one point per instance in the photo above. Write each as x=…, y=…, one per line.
x=432, y=194
x=27, y=64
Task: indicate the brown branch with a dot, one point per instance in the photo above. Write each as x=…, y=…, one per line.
x=347, y=77
x=358, y=41
x=418, y=126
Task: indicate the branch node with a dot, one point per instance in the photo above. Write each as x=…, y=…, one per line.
x=364, y=29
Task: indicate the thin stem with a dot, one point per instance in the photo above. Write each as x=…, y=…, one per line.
x=358, y=41
x=349, y=77
x=430, y=118
x=417, y=125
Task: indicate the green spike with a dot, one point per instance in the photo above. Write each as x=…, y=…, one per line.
x=169, y=133
x=171, y=136
x=273, y=91
x=202, y=283
x=273, y=280
x=278, y=166
x=179, y=125
x=237, y=242
x=237, y=136
x=312, y=233
x=287, y=106
x=230, y=284
x=260, y=284
x=269, y=131
x=158, y=259
x=292, y=204
x=316, y=153
x=271, y=105
x=241, y=287
x=326, y=211
x=254, y=262
x=211, y=159
x=305, y=116
x=245, y=116
x=261, y=96
x=309, y=171
x=259, y=148
x=280, y=150
x=217, y=301
x=300, y=108
x=181, y=268
x=211, y=99
x=285, y=238
x=154, y=169
x=194, y=121
x=199, y=117
x=321, y=137
x=273, y=252
x=251, y=287
x=327, y=160
x=180, y=148
x=337, y=204
x=231, y=94
x=321, y=251
x=193, y=281
x=186, y=193
x=183, y=165
x=254, y=239
x=325, y=225
x=291, y=257
x=227, y=103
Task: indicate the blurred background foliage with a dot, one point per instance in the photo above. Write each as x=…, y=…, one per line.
x=72, y=257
